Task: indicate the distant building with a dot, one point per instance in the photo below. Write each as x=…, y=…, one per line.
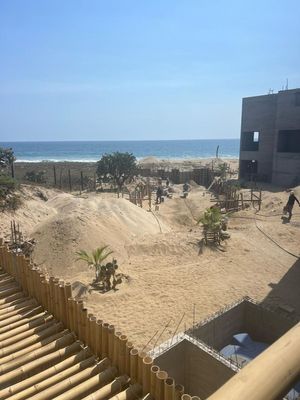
x=270, y=138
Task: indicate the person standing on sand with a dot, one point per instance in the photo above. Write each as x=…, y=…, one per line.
x=290, y=204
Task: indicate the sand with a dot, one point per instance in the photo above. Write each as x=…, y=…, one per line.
x=170, y=272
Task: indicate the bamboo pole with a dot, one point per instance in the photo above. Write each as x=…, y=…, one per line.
x=67, y=296
x=161, y=377
x=25, y=311
x=26, y=301
x=83, y=319
x=24, y=322
x=122, y=354
x=169, y=390
x=131, y=393
x=11, y=339
x=34, y=351
x=62, y=303
x=92, y=333
x=99, y=351
x=35, y=338
x=52, y=299
x=116, y=349
x=141, y=356
x=78, y=306
x=72, y=316
x=27, y=305
x=134, y=364
x=95, y=381
x=88, y=329
x=66, y=357
x=129, y=347
x=111, y=339
x=107, y=391
x=179, y=390
x=154, y=370
x=56, y=298
x=11, y=333
x=104, y=340
x=147, y=364
x=186, y=396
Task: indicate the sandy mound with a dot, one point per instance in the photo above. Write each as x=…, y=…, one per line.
x=87, y=223
x=149, y=160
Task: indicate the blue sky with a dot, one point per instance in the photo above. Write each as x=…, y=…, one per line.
x=143, y=69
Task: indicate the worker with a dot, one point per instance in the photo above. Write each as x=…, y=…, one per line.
x=290, y=204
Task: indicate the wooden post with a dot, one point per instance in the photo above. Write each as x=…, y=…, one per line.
x=54, y=174
x=81, y=180
x=70, y=181
x=60, y=178
x=259, y=205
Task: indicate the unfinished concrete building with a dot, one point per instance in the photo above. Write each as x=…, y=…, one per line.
x=270, y=138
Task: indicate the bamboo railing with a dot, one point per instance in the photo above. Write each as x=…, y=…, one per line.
x=47, y=321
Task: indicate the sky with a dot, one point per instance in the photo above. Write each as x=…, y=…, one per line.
x=140, y=69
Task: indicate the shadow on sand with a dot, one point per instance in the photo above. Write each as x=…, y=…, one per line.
x=287, y=291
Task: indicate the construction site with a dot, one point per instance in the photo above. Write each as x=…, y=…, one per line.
x=190, y=315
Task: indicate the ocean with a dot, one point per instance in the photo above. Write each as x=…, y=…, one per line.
x=84, y=151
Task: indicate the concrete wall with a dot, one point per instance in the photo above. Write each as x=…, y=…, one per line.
x=204, y=374
x=262, y=324
x=219, y=331
x=259, y=115
x=199, y=372
x=286, y=166
x=173, y=361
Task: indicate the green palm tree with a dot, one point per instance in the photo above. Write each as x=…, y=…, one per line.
x=94, y=259
x=211, y=219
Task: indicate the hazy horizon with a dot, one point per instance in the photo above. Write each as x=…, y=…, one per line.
x=139, y=70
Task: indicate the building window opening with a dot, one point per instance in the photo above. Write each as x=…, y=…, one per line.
x=250, y=141
x=297, y=99
x=256, y=137
x=289, y=141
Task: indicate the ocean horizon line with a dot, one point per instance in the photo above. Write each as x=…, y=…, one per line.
x=122, y=140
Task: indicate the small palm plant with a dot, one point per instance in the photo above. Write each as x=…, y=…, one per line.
x=95, y=259
x=211, y=219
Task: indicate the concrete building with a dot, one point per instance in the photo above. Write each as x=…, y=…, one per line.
x=270, y=138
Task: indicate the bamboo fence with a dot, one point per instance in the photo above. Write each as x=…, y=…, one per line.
x=51, y=347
